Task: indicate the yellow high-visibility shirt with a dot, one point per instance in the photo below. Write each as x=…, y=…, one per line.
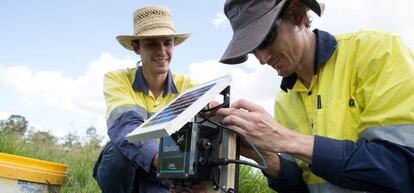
x=365, y=86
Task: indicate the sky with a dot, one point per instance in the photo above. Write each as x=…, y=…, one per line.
x=53, y=54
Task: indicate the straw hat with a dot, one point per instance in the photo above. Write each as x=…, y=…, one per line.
x=154, y=21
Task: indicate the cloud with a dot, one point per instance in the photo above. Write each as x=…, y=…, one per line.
x=54, y=101
x=77, y=102
x=252, y=81
x=53, y=88
x=351, y=15
x=4, y=115
x=220, y=20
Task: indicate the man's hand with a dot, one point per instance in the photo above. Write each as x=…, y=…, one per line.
x=252, y=121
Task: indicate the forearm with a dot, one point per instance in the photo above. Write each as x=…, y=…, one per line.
x=303, y=147
x=273, y=166
x=141, y=152
x=295, y=144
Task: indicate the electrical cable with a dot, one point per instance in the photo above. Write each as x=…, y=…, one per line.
x=217, y=183
x=225, y=161
x=207, y=109
x=226, y=102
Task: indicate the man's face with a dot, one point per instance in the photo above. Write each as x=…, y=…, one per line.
x=284, y=53
x=156, y=54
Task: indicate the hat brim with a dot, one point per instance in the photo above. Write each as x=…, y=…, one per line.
x=246, y=39
x=125, y=40
x=315, y=6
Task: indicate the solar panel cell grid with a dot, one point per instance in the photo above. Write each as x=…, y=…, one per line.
x=178, y=106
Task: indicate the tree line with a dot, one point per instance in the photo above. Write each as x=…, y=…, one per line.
x=18, y=126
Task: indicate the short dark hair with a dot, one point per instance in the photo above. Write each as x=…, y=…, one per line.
x=135, y=41
x=297, y=12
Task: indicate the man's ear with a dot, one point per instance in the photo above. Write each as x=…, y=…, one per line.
x=135, y=46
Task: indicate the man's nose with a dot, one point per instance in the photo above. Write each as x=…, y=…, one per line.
x=262, y=56
x=162, y=48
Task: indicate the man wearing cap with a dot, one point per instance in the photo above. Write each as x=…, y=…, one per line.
x=344, y=120
x=133, y=95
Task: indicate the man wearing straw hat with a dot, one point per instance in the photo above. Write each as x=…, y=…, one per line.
x=346, y=109
x=133, y=95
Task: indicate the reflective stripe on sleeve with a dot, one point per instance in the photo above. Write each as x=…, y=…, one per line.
x=118, y=111
x=329, y=188
x=399, y=134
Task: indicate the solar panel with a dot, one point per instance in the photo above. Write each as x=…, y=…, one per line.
x=178, y=106
x=179, y=111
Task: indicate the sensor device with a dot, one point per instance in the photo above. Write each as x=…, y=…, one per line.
x=191, y=145
x=191, y=155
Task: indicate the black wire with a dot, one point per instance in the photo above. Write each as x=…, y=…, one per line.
x=203, y=112
x=214, y=109
x=225, y=161
x=216, y=182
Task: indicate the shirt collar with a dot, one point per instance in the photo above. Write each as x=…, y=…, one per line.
x=325, y=46
x=141, y=85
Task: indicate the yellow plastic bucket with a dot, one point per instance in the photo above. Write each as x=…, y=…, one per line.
x=26, y=175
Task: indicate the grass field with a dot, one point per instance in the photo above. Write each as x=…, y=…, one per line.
x=80, y=160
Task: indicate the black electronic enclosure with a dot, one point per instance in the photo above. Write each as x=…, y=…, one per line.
x=187, y=156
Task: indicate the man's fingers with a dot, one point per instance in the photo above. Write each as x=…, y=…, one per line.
x=223, y=112
x=247, y=105
x=213, y=104
x=238, y=124
x=240, y=108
